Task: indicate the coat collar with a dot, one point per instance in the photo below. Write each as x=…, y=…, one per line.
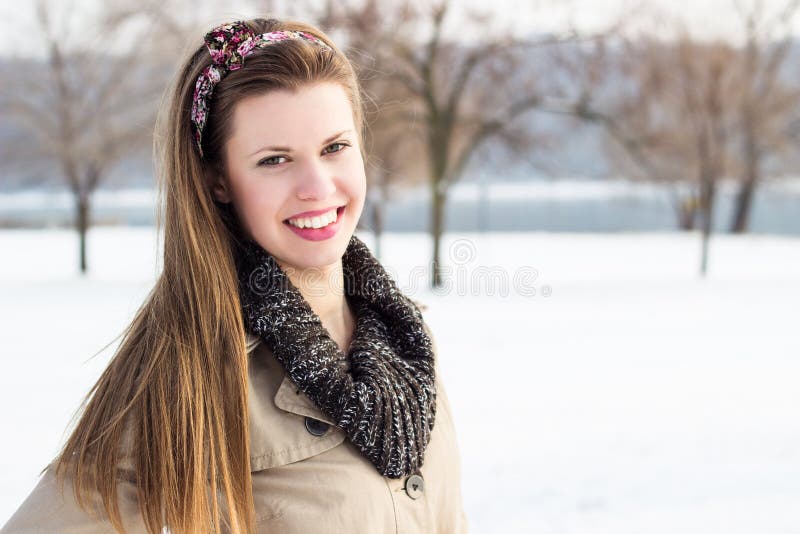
x=277, y=413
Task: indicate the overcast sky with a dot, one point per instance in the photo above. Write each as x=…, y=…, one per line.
x=705, y=18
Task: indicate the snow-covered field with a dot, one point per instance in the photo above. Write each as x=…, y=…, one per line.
x=598, y=385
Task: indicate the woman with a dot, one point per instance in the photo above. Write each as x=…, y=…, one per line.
x=275, y=379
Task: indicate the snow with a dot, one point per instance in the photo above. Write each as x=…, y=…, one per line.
x=598, y=385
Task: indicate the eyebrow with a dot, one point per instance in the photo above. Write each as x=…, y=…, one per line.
x=287, y=149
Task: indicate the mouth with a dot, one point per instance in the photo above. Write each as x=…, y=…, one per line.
x=306, y=220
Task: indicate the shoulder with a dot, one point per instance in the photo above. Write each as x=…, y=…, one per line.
x=51, y=507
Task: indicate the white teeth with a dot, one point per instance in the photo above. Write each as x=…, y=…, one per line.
x=314, y=222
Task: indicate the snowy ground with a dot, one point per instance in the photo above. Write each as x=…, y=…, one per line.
x=607, y=389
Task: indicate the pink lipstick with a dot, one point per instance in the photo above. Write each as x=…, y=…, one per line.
x=318, y=234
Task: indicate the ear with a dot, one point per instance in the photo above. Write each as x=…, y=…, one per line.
x=221, y=191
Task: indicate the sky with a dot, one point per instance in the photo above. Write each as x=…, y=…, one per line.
x=704, y=18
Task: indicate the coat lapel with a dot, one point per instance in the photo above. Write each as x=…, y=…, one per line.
x=277, y=413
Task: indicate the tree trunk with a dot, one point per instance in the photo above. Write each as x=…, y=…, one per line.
x=704, y=242
x=707, y=194
x=378, y=199
x=687, y=214
x=377, y=225
x=744, y=197
x=741, y=214
x=82, y=226
x=483, y=204
x=437, y=229
x=750, y=120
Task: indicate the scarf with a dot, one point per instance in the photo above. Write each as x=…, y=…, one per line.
x=382, y=391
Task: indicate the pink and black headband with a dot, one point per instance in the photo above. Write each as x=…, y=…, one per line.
x=229, y=44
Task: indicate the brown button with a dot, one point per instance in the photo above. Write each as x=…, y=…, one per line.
x=316, y=427
x=415, y=486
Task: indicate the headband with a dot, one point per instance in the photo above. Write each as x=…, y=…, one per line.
x=229, y=44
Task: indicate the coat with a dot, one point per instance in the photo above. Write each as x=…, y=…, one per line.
x=307, y=477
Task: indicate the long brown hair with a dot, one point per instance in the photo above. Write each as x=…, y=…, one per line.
x=173, y=399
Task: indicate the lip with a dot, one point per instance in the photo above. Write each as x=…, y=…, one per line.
x=319, y=234
x=313, y=213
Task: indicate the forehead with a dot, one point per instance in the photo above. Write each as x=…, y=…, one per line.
x=290, y=118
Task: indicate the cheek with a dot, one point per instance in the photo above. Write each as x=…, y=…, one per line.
x=258, y=203
x=355, y=179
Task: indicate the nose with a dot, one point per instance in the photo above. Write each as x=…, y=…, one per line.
x=316, y=181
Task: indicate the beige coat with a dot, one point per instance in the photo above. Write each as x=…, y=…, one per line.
x=307, y=478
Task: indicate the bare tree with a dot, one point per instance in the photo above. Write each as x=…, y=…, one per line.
x=456, y=97
x=708, y=86
x=636, y=101
x=466, y=98
x=768, y=103
x=91, y=104
x=674, y=118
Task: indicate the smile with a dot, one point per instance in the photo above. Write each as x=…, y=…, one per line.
x=318, y=221
x=319, y=227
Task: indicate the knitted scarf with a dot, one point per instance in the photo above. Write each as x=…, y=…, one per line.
x=382, y=391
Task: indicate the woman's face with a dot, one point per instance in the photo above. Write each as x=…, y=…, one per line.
x=291, y=153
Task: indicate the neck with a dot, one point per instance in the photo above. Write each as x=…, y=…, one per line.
x=323, y=289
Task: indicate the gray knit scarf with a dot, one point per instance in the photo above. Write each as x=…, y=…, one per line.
x=382, y=392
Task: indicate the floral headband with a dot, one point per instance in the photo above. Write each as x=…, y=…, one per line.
x=229, y=44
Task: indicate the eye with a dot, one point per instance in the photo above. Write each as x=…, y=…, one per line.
x=266, y=161
x=338, y=144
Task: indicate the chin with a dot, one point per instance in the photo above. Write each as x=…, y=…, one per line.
x=316, y=255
